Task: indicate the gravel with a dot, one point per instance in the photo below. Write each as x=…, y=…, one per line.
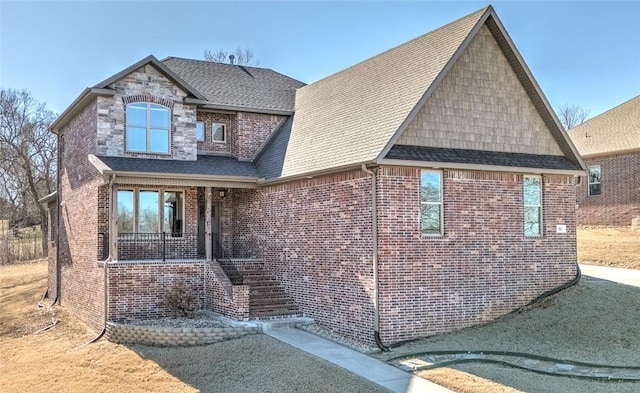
x=323, y=332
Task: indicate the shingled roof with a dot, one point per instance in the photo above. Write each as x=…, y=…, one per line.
x=235, y=86
x=354, y=116
x=614, y=131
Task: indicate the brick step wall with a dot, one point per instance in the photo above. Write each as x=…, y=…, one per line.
x=267, y=297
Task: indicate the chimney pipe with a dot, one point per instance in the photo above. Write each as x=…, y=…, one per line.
x=231, y=59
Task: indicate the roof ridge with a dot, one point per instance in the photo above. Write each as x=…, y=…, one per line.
x=479, y=12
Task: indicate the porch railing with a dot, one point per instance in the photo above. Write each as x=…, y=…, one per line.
x=163, y=246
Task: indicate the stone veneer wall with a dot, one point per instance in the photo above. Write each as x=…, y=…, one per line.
x=315, y=236
x=146, y=84
x=174, y=337
x=619, y=202
x=483, y=266
x=481, y=105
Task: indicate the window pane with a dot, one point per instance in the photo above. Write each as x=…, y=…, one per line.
x=531, y=221
x=429, y=186
x=137, y=115
x=531, y=191
x=594, y=174
x=218, y=132
x=159, y=116
x=172, y=212
x=159, y=141
x=136, y=139
x=430, y=218
x=148, y=212
x=125, y=211
x=200, y=131
x=594, y=189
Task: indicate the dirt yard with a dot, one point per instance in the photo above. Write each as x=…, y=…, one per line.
x=617, y=247
x=51, y=361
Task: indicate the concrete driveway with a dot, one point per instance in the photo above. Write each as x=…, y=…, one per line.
x=616, y=274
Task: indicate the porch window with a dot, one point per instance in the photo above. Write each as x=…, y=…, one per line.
x=139, y=211
x=219, y=132
x=594, y=180
x=431, y=202
x=532, y=197
x=147, y=128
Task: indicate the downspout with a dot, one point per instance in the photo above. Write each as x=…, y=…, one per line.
x=104, y=270
x=58, y=211
x=374, y=232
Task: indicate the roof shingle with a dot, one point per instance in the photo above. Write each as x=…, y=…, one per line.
x=237, y=86
x=204, y=165
x=616, y=130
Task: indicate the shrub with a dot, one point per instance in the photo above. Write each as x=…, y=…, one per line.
x=179, y=300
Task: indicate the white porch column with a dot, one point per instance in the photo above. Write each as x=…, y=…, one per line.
x=207, y=223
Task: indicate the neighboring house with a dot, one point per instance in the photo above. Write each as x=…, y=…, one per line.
x=610, y=146
x=426, y=189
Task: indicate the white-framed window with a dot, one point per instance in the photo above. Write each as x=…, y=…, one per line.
x=139, y=211
x=200, y=131
x=595, y=182
x=532, y=198
x=219, y=132
x=431, y=202
x=148, y=128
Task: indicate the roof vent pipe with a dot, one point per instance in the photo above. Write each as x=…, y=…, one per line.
x=231, y=59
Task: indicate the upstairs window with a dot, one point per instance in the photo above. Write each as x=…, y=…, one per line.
x=219, y=132
x=532, y=197
x=148, y=128
x=594, y=180
x=431, y=202
x=200, y=131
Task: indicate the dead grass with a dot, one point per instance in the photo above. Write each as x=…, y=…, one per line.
x=618, y=247
x=595, y=321
x=51, y=361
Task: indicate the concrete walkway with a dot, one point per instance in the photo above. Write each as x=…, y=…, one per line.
x=622, y=276
x=367, y=367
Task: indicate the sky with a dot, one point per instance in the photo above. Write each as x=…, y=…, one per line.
x=583, y=53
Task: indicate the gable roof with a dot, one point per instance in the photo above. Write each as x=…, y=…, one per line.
x=237, y=87
x=614, y=131
x=355, y=116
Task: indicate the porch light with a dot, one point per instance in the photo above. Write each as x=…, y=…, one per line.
x=223, y=192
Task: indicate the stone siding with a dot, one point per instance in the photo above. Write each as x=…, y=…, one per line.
x=146, y=84
x=619, y=201
x=483, y=266
x=481, y=105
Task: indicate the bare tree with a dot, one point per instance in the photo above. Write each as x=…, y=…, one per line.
x=572, y=115
x=27, y=157
x=240, y=56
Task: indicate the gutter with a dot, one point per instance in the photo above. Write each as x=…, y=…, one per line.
x=374, y=258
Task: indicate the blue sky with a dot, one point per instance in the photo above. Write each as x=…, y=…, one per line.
x=583, y=53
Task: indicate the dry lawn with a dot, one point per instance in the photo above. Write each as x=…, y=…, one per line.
x=618, y=247
x=595, y=321
x=51, y=361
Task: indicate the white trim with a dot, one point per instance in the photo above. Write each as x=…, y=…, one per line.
x=440, y=203
x=539, y=206
x=224, y=133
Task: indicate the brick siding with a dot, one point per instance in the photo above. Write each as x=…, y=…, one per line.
x=619, y=201
x=137, y=289
x=483, y=266
x=82, y=279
